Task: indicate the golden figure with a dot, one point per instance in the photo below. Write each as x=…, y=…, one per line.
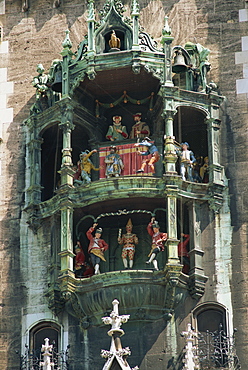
x=114, y=42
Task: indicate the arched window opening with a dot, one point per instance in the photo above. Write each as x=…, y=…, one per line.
x=40, y=332
x=215, y=344
x=190, y=128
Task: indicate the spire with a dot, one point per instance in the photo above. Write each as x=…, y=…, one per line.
x=91, y=11
x=67, y=42
x=190, y=350
x=116, y=356
x=47, y=348
x=135, y=8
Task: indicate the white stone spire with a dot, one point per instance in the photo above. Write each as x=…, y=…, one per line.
x=116, y=352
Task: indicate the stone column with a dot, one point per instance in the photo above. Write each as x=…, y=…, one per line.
x=66, y=54
x=172, y=240
x=196, y=272
x=91, y=28
x=216, y=170
x=66, y=253
x=67, y=126
x=66, y=181
x=166, y=42
x=34, y=189
x=170, y=154
x=135, y=16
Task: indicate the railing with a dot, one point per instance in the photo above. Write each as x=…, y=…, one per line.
x=207, y=351
x=216, y=350
x=32, y=360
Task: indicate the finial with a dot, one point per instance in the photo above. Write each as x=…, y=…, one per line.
x=190, y=350
x=116, y=351
x=166, y=30
x=115, y=320
x=67, y=42
x=135, y=8
x=91, y=11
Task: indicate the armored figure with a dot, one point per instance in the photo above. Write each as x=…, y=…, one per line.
x=158, y=239
x=114, y=163
x=140, y=129
x=97, y=247
x=116, y=131
x=40, y=82
x=128, y=241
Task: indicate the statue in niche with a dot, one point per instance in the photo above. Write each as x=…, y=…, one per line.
x=204, y=64
x=149, y=148
x=79, y=260
x=82, y=268
x=117, y=131
x=84, y=167
x=183, y=252
x=97, y=247
x=40, y=83
x=204, y=171
x=187, y=160
x=114, y=42
x=114, y=163
x=158, y=240
x=140, y=129
x=196, y=169
x=128, y=242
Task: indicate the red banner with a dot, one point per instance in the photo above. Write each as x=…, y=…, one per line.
x=131, y=159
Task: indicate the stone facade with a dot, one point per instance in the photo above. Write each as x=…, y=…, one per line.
x=35, y=36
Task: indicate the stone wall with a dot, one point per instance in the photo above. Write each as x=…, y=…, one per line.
x=34, y=37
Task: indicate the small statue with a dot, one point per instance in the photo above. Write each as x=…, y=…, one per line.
x=114, y=41
x=77, y=176
x=150, y=148
x=204, y=64
x=183, y=252
x=80, y=265
x=97, y=247
x=84, y=167
x=40, y=82
x=187, y=160
x=204, y=171
x=140, y=129
x=158, y=239
x=116, y=131
x=114, y=163
x=196, y=169
x=25, y=5
x=128, y=241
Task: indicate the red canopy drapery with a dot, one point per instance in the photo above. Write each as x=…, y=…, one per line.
x=130, y=157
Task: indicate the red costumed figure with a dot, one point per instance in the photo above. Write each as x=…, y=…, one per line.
x=97, y=247
x=158, y=239
x=80, y=265
x=183, y=252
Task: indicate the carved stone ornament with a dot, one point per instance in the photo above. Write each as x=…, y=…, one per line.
x=25, y=5
x=56, y=3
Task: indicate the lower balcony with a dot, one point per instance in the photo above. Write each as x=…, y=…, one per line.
x=144, y=294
